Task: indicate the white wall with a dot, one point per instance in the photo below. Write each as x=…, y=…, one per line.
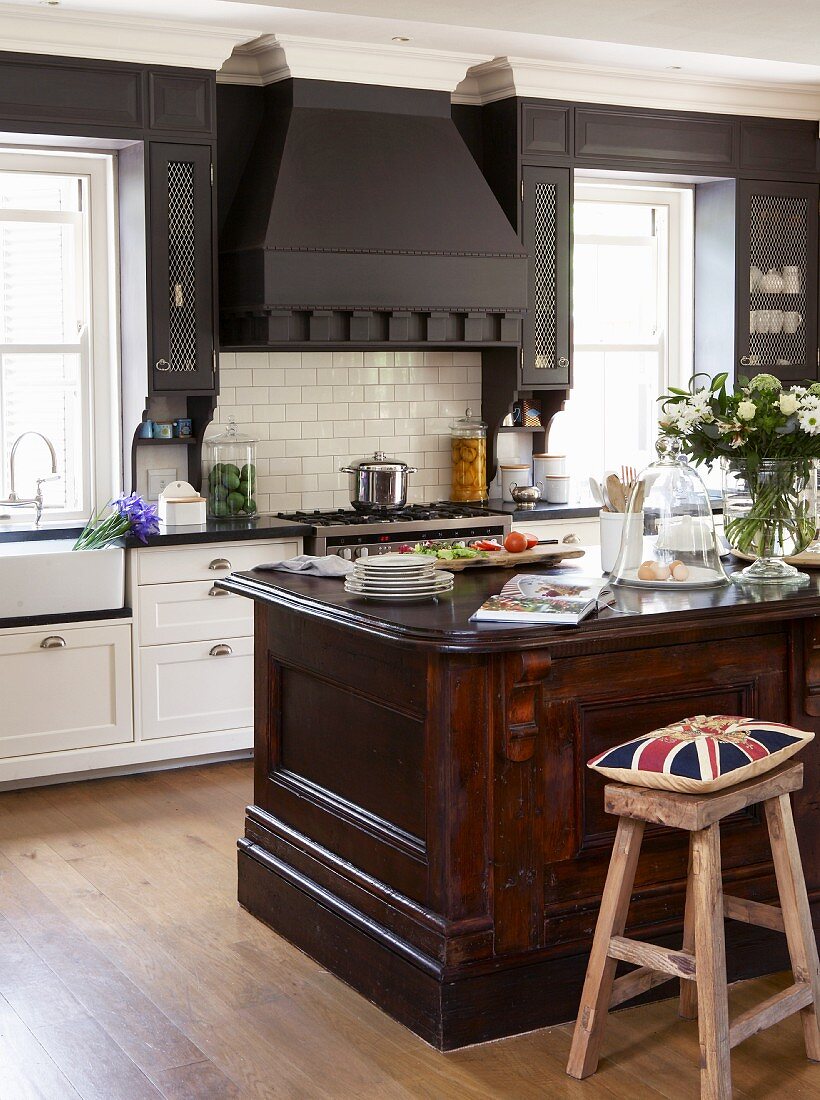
x=315, y=411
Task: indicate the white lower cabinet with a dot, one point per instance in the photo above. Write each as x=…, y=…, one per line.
x=196, y=687
x=190, y=611
x=175, y=684
x=586, y=528
x=63, y=688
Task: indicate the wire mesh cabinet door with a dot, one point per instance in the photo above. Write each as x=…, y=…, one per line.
x=181, y=264
x=777, y=279
x=546, y=231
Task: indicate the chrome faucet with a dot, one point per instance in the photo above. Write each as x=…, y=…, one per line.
x=37, y=500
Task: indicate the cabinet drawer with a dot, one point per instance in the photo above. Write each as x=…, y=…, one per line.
x=205, y=561
x=74, y=694
x=195, y=688
x=586, y=528
x=191, y=611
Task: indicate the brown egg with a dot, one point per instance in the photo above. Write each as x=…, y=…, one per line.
x=679, y=571
x=661, y=571
x=646, y=571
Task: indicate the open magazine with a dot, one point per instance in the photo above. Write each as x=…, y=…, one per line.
x=551, y=601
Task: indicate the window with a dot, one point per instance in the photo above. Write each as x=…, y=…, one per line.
x=632, y=323
x=58, y=362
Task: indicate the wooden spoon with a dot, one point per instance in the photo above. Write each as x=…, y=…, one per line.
x=616, y=493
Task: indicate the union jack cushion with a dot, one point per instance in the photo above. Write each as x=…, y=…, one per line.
x=703, y=753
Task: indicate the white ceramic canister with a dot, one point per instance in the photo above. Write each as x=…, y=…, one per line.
x=514, y=475
x=556, y=488
x=612, y=527
x=546, y=465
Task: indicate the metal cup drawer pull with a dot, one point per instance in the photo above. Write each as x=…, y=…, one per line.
x=221, y=650
x=214, y=591
x=53, y=641
x=220, y=563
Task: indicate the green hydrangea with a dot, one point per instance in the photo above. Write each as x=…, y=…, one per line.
x=814, y=389
x=765, y=383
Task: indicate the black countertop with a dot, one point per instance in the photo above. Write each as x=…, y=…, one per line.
x=213, y=530
x=543, y=511
x=444, y=624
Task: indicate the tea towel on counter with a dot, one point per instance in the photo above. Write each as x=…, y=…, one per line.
x=329, y=566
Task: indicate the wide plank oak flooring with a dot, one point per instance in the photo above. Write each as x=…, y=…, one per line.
x=128, y=971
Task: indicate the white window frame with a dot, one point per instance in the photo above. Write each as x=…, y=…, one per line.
x=99, y=343
x=676, y=343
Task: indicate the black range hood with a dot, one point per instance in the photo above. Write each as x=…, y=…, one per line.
x=361, y=217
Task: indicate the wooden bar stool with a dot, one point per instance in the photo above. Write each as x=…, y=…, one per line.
x=701, y=964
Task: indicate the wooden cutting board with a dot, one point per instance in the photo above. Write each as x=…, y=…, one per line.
x=503, y=559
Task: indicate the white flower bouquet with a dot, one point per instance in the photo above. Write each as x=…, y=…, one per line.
x=768, y=438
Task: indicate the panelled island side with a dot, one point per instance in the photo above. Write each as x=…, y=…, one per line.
x=424, y=824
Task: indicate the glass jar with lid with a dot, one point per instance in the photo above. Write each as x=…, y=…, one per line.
x=468, y=451
x=229, y=478
x=668, y=538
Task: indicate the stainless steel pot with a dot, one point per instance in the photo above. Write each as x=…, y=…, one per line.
x=378, y=484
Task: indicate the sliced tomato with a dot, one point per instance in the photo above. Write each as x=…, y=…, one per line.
x=532, y=540
x=486, y=544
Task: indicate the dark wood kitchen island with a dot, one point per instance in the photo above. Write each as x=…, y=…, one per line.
x=423, y=822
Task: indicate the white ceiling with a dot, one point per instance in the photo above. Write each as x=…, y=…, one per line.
x=751, y=39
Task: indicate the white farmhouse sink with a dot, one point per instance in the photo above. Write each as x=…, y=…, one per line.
x=48, y=578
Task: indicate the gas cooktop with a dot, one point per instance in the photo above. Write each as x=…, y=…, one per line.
x=356, y=534
x=412, y=513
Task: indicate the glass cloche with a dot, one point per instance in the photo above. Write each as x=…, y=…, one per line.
x=229, y=474
x=669, y=538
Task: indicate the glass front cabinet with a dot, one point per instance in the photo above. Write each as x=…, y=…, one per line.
x=776, y=288
x=546, y=212
x=181, y=263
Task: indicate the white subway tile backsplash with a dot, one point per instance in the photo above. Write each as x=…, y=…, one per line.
x=332, y=376
x=300, y=411
x=348, y=393
x=267, y=376
x=317, y=359
x=363, y=376
x=329, y=411
x=316, y=411
x=379, y=393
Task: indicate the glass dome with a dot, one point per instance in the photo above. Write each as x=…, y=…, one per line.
x=229, y=474
x=669, y=538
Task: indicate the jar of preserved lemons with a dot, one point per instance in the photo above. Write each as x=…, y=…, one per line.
x=468, y=447
x=229, y=474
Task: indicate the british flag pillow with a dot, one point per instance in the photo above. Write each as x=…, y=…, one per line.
x=700, y=754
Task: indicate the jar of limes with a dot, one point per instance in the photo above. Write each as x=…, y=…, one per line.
x=229, y=474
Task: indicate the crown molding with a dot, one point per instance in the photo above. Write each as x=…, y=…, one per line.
x=62, y=32
x=507, y=76
x=277, y=57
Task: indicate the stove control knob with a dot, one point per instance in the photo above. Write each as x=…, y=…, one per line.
x=362, y=552
x=346, y=553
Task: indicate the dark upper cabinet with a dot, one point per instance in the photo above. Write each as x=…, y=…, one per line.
x=545, y=131
x=776, y=314
x=546, y=213
x=632, y=137
x=180, y=234
x=181, y=102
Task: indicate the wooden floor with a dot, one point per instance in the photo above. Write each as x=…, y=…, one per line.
x=127, y=970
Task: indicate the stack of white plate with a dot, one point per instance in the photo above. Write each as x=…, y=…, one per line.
x=404, y=577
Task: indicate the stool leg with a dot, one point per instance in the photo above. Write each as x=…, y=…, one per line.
x=794, y=903
x=689, y=990
x=710, y=955
x=589, y=1027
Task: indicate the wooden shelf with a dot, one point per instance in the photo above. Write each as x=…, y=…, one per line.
x=177, y=441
